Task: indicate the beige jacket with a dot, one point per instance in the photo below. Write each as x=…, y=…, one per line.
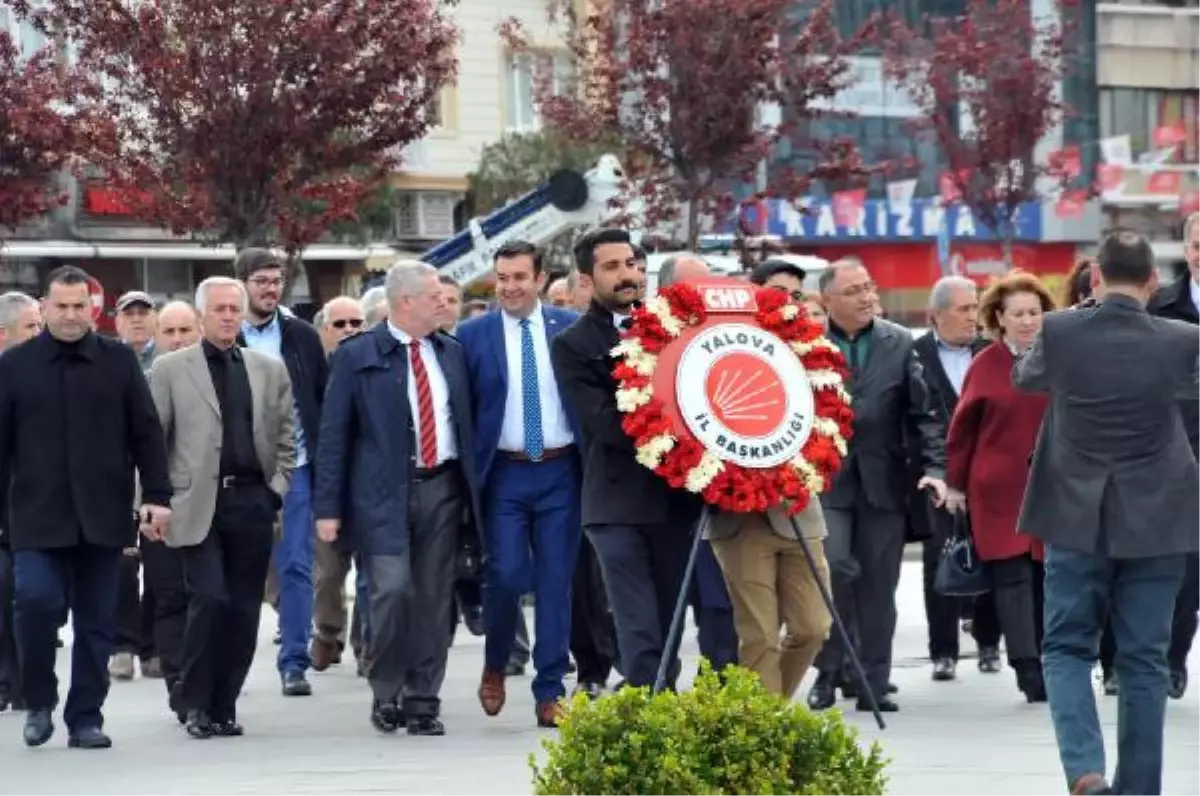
x=191, y=418
x=725, y=524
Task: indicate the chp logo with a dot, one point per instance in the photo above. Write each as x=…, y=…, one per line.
x=745, y=395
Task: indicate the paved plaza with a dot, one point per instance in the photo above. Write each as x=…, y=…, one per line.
x=974, y=735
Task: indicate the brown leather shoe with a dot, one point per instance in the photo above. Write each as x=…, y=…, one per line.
x=1090, y=784
x=491, y=691
x=548, y=714
x=322, y=654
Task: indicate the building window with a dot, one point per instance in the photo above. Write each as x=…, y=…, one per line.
x=27, y=38
x=523, y=71
x=1138, y=112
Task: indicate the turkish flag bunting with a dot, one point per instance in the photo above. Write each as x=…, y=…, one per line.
x=847, y=205
x=1109, y=176
x=1070, y=204
x=1165, y=182
x=1169, y=135
x=1067, y=163
x=1189, y=202
x=948, y=188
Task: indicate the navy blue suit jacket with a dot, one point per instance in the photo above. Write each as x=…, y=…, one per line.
x=482, y=340
x=367, y=456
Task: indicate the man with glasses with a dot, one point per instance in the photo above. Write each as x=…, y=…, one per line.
x=270, y=330
x=339, y=319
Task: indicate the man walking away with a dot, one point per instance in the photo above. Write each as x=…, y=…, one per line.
x=20, y=320
x=269, y=330
x=1112, y=493
x=76, y=420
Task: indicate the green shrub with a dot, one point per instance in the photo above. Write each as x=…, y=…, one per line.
x=728, y=737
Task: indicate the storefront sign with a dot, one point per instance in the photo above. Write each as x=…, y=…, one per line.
x=877, y=222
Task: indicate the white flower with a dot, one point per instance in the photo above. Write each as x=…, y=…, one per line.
x=703, y=473
x=809, y=475
x=789, y=312
x=825, y=379
x=643, y=364
x=820, y=344
x=630, y=399
x=661, y=309
x=650, y=455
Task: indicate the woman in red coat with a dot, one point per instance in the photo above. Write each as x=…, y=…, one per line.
x=991, y=437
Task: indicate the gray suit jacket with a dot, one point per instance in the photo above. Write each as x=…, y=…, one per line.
x=191, y=418
x=891, y=407
x=1112, y=472
x=724, y=524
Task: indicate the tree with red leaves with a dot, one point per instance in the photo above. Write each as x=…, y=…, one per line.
x=255, y=121
x=988, y=86
x=42, y=129
x=687, y=87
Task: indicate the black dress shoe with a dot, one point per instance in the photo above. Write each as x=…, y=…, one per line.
x=296, y=684
x=822, y=695
x=514, y=670
x=989, y=660
x=89, y=738
x=426, y=725
x=885, y=704
x=1178, y=684
x=199, y=725
x=892, y=688
x=944, y=669
x=227, y=728
x=849, y=688
x=1111, y=686
x=386, y=716
x=175, y=703
x=39, y=726
x=473, y=618
x=593, y=690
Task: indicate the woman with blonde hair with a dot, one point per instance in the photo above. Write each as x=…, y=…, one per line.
x=992, y=435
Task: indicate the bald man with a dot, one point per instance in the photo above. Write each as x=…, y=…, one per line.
x=177, y=327
x=685, y=267
x=341, y=317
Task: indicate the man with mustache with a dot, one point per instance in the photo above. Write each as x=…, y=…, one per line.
x=626, y=507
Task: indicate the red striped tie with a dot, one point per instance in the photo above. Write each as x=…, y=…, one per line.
x=426, y=425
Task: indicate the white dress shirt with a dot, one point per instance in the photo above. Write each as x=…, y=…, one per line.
x=955, y=359
x=447, y=447
x=556, y=431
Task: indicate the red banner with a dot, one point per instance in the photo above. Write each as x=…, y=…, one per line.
x=1070, y=204
x=1167, y=182
x=1109, y=176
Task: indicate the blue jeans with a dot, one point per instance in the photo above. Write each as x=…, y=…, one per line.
x=1138, y=597
x=85, y=577
x=533, y=538
x=294, y=567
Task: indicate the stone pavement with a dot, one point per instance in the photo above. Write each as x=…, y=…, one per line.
x=975, y=735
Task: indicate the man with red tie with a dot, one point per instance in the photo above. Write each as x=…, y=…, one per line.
x=395, y=471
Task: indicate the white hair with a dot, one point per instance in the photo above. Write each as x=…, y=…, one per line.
x=406, y=278
x=374, y=305
x=219, y=281
x=943, y=289
x=321, y=319
x=11, y=306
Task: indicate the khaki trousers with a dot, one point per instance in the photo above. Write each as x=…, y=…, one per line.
x=772, y=590
x=329, y=592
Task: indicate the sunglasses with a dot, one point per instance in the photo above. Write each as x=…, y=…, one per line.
x=353, y=323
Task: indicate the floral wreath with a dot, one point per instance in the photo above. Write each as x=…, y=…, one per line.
x=685, y=462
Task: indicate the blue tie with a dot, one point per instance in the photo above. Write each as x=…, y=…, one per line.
x=531, y=397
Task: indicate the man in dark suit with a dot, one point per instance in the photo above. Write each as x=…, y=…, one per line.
x=395, y=472
x=626, y=507
x=1179, y=301
x=76, y=419
x=529, y=471
x=945, y=354
x=1112, y=493
x=865, y=507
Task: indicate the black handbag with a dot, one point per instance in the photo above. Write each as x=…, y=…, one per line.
x=960, y=573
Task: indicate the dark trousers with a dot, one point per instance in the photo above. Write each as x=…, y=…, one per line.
x=533, y=539
x=715, y=632
x=135, y=621
x=942, y=613
x=166, y=594
x=593, y=637
x=865, y=549
x=10, y=669
x=225, y=576
x=643, y=568
x=86, y=576
x=1083, y=591
x=412, y=597
x=1183, y=624
x=1017, y=587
